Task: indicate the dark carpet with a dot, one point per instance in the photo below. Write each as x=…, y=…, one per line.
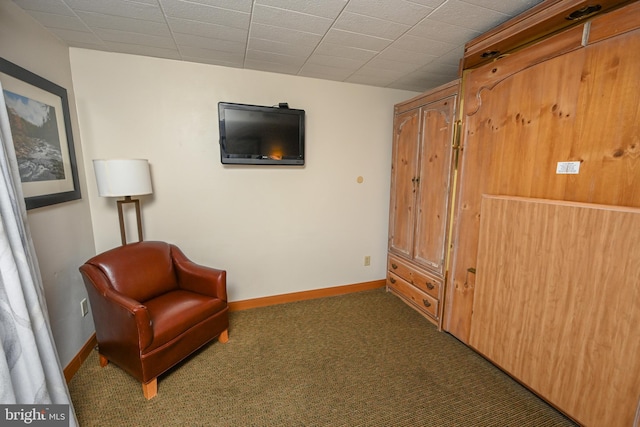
x=362, y=359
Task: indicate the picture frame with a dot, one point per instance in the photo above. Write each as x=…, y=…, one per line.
x=42, y=136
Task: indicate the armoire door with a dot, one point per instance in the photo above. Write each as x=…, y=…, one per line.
x=404, y=175
x=433, y=200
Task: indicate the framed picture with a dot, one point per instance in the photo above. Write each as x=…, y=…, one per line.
x=41, y=130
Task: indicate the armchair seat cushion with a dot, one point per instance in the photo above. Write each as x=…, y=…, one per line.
x=173, y=313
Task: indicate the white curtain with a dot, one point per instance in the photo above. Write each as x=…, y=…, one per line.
x=30, y=372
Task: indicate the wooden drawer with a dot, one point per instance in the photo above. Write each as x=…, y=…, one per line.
x=421, y=300
x=423, y=281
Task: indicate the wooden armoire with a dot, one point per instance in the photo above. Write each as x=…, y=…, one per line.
x=421, y=179
x=542, y=266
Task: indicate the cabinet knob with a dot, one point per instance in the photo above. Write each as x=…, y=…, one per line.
x=430, y=285
x=394, y=266
x=426, y=303
x=392, y=280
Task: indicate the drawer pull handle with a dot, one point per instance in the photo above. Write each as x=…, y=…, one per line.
x=430, y=285
x=426, y=303
x=392, y=280
x=394, y=266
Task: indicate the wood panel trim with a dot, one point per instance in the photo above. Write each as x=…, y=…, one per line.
x=79, y=358
x=305, y=295
x=615, y=23
x=489, y=75
x=544, y=19
x=441, y=92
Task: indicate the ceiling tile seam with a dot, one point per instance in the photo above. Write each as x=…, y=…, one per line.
x=486, y=8
x=393, y=41
x=385, y=19
x=286, y=29
x=296, y=11
x=104, y=44
x=200, y=4
x=246, y=41
x=405, y=33
x=324, y=36
x=173, y=36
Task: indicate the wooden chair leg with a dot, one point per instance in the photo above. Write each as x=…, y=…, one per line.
x=150, y=389
x=103, y=361
x=224, y=336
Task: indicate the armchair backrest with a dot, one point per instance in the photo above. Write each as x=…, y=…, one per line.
x=140, y=271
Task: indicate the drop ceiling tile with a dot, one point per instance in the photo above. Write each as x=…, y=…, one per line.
x=212, y=61
x=238, y=5
x=453, y=57
x=356, y=40
x=337, y=62
x=211, y=54
x=209, y=43
x=370, y=26
x=272, y=67
x=368, y=71
x=134, y=38
x=205, y=13
x=290, y=19
x=512, y=7
x=394, y=54
x=325, y=8
x=204, y=29
x=343, y=51
x=417, y=80
x=384, y=64
x=324, y=72
x=441, y=69
x=419, y=44
x=121, y=23
x=429, y=3
x=65, y=22
x=377, y=39
x=370, y=80
x=52, y=6
x=467, y=15
x=290, y=60
x=130, y=9
x=441, y=31
x=72, y=37
x=135, y=49
x=400, y=11
x=285, y=35
x=279, y=47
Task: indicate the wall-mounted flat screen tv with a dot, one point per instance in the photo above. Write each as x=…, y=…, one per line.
x=261, y=135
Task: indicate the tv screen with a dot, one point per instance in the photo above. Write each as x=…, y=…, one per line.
x=260, y=135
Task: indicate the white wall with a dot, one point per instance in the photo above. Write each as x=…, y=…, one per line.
x=275, y=230
x=62, y=233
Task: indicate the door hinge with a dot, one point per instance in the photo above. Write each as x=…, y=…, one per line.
x=455, y=144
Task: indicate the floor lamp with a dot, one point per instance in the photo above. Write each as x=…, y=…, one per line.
x=124, y=178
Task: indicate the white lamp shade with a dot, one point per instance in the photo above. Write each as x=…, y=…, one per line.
x=125, y=177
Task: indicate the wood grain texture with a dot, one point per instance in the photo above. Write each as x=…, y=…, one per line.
x=557, y=303
x=434, y=185
x=404, y=172
x=579, y=106
x=543, y=20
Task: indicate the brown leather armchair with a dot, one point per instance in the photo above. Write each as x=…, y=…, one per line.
x=152, y=307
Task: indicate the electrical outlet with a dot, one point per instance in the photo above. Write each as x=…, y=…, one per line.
x=84, y=307
x=367, y=261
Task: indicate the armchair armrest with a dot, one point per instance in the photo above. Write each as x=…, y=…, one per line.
x=198, y=278
x=128, y=320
